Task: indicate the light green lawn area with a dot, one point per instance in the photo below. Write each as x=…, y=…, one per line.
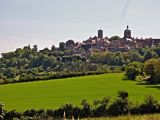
x=54, y=93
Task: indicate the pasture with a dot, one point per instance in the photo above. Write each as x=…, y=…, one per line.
x=54, y=93
x=131, y=117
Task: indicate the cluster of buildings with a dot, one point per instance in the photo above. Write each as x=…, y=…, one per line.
x=101, y=43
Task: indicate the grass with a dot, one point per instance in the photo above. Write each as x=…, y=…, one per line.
x=134, y=117
x=54, y=93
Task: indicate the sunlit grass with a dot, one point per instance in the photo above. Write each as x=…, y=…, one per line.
x=54, y=93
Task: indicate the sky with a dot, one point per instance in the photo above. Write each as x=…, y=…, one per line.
x=48, y=22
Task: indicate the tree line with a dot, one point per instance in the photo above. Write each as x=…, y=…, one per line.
x=29, y=63
x=99, y=108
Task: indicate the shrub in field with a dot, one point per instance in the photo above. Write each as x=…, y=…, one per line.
x=30, y=113
x=120, y=105
x=68, y=108
x=150, y=105
x=50, y=113
x=133, y=69
x=58, y=113
x=12, y=114
x=101, y=107
x=86, y=109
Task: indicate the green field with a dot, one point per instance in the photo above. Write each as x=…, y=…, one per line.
x=131, y=117
x=54, y=93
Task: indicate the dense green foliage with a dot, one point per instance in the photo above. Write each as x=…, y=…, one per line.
x=149, y=71
x=133, y=69
x=99, y=108
x=29, y=64
x=53, y=93
x=114, y=38
x=152, y=68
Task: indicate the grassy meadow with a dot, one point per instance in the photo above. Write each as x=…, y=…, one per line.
x=133, y=117
x=54, y=93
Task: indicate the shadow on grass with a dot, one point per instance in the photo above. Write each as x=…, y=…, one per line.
x=145, y=83
x=126, y=79
x=153, y=86
x=149, y=85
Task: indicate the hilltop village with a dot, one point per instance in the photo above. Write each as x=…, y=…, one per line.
x=101, y=43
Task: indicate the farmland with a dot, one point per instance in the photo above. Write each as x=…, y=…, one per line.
x=54, y=93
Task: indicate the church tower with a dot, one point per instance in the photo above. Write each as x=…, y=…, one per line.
x=100, y=33
x=127, y=33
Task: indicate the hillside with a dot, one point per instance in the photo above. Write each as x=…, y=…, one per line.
x=53, y=93
x=30, y=64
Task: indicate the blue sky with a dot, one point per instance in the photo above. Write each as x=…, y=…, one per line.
x=47, y=22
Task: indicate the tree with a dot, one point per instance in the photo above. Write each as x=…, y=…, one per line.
x=134, y=56
x=68, y=108
x=8, y=55
x=19, y=52
x=70, y=44
x=101, y=106
x=35, y=48
x=133, y=69
x=10, y=73
x=53, y=48
x=27, y=47
x=118, y=59
x=62, y=46
x=149, y=55
x=45, y=51
x=141, y=51
x=98, y=57
x=152, y=68
x=114, y=38
x=157, y=50
x=121, y=105
x=86, y=110
x=150, y=105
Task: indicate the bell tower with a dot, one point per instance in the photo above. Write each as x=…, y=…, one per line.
x=100, y=33
x=127, y=33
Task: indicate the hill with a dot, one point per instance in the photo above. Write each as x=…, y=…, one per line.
x=53, y=93
x=30, y=64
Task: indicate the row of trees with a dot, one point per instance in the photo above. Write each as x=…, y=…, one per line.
x=100, y=108
x=123, y=58
x=25, y=64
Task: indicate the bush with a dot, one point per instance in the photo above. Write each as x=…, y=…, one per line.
x=121, y=105
x=133, y=69
x=68, y=108
x=86, y=109
x=30, y=113
x=150, y=105
x=101, y=107
x=12, y=114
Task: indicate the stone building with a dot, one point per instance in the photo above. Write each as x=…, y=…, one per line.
x=100, y=43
